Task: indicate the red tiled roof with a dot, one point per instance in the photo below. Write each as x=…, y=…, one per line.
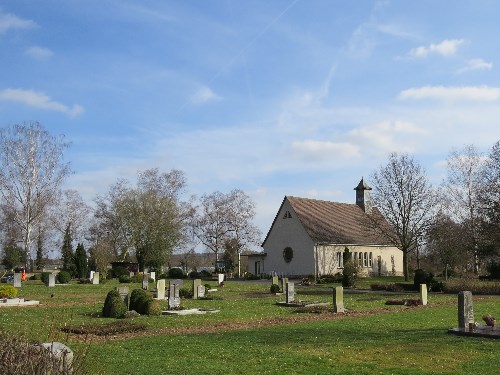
x=332, y=222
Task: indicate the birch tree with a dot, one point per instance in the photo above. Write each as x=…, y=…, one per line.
x=32, y=171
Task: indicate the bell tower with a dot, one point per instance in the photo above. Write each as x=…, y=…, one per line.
x=363, y=199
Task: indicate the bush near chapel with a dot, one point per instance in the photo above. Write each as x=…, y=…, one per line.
x=175, y=273
x=139, y=300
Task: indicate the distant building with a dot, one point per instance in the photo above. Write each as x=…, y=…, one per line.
x=309, y=236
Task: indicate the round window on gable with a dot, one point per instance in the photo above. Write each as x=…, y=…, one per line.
x=288, y=254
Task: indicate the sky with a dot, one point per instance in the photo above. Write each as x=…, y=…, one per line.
x=276, y=98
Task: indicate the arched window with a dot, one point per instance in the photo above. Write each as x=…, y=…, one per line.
x=370, y=260
x=365, y=260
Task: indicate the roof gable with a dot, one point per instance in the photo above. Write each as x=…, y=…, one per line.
x=333, y=222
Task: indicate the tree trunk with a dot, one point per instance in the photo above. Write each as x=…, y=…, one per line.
x=405, y=265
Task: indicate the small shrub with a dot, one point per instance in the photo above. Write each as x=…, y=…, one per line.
x=139, y=301
x=8, y=291
x=124, y=279
x=114, y=307
x=493, y=269
x=422, y=277
x=194, y=275
x=45, y=277
x=208, y=287
x=175, y=273
x=154, y=307
x=205, y=274
x=63, y=277
x=475, y=286
x=185, y=293
x=275, y=288
x=251, y=276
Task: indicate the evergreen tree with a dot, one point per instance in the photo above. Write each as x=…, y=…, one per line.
x=67, y=252
x=81, y=261
x=39, y=262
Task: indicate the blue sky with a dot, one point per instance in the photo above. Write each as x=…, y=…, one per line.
x=282, y=97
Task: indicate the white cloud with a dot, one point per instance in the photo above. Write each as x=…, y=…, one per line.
x=453, y=93
x=39, y=53
x=475, y=64
x=39, y=100
x=312, y=150
x=204, y=95
x=10, y=21
x=388, y=136
x=447, y=47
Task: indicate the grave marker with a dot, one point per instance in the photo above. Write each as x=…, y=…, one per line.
x=220, y=278
x=290, y=292
x=174, y=301
x=145, y=281
x=17, y=280
x=152, y=275
x=423, y=294
x=196, y=284
x=52, y=280
x=465, y=309
x=95, y=279
x=338, y=299
x=160, y=288
x=284, y=280
x=275, y=280
x=123, y=292
x=200, y=291
x=91, y=275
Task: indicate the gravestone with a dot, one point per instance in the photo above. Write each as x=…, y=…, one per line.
x=17, y=279
x=423, y=294
x=465, y=309
x=275, y=280
x=62, y=355
x=284, y=280
x=132, y=274
x=91, y=275
x=152, y=275
x=178, y=282
x=289, y=292
x=160, y=289
x=338, y=299
x=123, y=292
x=145, y=281
x=52, y=280
x=95, y=279
x=174, y=301
x=220, y=278
x=200, y=291
x=196, y=284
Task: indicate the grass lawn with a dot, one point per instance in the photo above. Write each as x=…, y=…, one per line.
x=252, y=335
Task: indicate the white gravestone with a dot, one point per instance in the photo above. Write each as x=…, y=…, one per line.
x=338, y=299
x=290, y=292
x=160, y=289
x=17, y=280
x=95, y=279
x=423, y=294
x=52, y=280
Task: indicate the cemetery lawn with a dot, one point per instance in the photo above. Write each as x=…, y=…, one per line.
x=252, y=335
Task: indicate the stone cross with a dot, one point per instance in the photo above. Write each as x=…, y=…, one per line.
x=95, y=279
x=17, y=280
x=465, y=309
x=338, y=299
x=290, y=292
x=423, y=294
x=145, y=281
x=123, y=292
x=52, y=280
x=196, y=283
x=174, y=300
x=160, y=288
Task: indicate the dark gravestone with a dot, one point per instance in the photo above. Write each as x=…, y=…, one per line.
x=123, y=292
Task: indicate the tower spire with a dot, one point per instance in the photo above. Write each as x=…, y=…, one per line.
x=363, y=198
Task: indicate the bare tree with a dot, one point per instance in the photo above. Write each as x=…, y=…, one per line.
x=406, y=199
x=461, y=191
x=224, y=217
x=490, y=200
x=31, y=173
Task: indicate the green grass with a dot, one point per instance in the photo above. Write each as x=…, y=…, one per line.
x=251, y=335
